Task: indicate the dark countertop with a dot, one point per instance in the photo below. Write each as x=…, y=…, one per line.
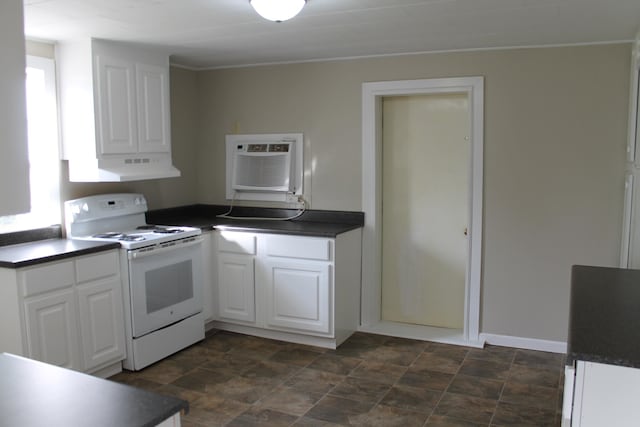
x=41, y=251
x=35, y=394
x=604, y=318
x=51, y=232
x=319, y=223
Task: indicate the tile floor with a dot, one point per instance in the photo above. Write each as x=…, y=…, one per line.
x=370, y=380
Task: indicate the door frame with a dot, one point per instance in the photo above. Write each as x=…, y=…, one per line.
x=372, y=94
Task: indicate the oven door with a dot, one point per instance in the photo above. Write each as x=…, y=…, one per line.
x=165, y=284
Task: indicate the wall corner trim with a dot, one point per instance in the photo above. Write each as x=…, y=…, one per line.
x=524, y=343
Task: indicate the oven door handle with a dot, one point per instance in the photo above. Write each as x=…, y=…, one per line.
x=164, y=247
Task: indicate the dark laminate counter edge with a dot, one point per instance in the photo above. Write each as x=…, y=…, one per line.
x=608, y=360
x=42, y=251
x=604, y=319
x=34, y=394
x=306, y=230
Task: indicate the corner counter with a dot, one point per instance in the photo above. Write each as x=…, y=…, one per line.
x=34, y=394
x=43, y=251
x=313, y=223
x=602, y=376
x=42, y=245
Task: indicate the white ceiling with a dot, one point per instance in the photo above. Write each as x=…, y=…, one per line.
x=222, y=33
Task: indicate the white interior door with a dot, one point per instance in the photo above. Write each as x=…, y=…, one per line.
x=425, y=208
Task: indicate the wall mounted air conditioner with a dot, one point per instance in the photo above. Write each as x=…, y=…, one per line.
x=264, y=167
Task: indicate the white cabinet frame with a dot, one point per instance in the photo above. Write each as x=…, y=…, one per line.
x=305, y=289
x=236, y=287
x=68, y=313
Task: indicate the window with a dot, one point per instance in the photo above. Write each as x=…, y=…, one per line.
x=44, y=163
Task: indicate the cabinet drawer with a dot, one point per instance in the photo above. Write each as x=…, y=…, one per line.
x=93, y=267
x=237, y=243
x=298, y=247
x=47, y=278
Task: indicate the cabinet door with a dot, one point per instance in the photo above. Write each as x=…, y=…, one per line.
x=298, y=295
x=116, y=106
x=101, y=323
x=236, y=287
x=52, y=334
x=605, y=395
x=154, y=132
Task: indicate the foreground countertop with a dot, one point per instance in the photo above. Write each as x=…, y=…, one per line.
x=41, y=251
x=604, y=322
x=318, y=223
x=35, y=394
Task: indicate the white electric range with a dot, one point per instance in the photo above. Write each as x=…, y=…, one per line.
x=161, y=273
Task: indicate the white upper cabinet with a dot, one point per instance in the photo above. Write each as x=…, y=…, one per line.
x=116, y=105
x=115, y=111
x=152, y=83
x=14, y=163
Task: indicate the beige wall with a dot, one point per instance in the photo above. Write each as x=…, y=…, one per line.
x=555, y=129
x=34, y=48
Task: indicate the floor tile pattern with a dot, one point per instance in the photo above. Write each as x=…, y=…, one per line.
x=371, y=380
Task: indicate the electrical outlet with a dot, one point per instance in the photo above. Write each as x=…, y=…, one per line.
x=292, y=198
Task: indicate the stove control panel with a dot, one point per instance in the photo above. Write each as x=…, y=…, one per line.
x=112, y=204
x=104, y=206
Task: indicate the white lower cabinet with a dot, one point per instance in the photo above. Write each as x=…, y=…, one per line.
x=236, y=288
x=292, y=288
x=67, y=313
x=51, y=328
x=298, y=295
x=601, y=395
x=101, y=322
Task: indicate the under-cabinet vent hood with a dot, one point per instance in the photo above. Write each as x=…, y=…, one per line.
x=119, y=170
x=114, y=110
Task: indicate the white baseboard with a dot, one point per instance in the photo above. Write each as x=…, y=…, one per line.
x=420, y=332
x=525, y=343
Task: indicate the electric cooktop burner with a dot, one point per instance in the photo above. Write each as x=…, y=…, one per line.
x=146, y=234
x=110, y=235
x=120, y=218
x=132, y=238
x=160, y=229
x=120, y=236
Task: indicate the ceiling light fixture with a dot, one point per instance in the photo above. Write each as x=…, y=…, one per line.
x=277, y=10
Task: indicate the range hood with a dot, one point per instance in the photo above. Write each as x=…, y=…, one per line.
x=120, y=170
x=114, y=111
